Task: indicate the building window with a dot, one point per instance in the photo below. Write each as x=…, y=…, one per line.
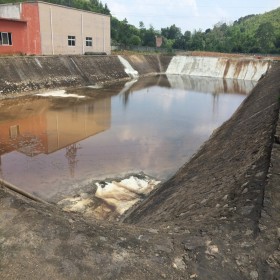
x=71, y=41
x=89, y=41
x=5, y=38
x=14, y=131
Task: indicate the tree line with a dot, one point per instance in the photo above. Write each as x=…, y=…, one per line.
x=250, y=34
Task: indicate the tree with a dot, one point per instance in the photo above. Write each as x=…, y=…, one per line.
x=266, y=36
x=173, y=32
x=198, y=41
x=141, y=25
x=135, y=40
x=149, y=37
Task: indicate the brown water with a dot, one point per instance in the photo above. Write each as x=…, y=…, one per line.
x=53, y=145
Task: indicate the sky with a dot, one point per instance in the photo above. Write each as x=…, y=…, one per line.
x=187, y=14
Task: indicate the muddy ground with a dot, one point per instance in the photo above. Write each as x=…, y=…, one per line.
x=217, y=218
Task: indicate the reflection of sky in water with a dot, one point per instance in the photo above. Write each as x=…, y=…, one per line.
x=156, y=131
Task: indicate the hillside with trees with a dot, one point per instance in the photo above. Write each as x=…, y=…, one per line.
x=249, y=34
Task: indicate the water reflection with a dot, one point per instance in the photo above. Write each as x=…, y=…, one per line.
x=33, y=128
x=49, y=146
x=215, y=86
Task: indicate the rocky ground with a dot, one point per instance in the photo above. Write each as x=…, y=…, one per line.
x=217, y=218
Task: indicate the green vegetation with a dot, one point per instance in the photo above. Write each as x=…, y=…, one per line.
x=88, y=5
x=250, y=34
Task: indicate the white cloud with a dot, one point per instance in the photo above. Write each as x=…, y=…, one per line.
x=159, y=13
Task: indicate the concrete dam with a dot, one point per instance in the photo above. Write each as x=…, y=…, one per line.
x=24, y=74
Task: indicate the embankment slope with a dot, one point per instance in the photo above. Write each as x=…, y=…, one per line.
x=26, y=74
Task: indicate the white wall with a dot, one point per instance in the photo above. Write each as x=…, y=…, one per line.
x=57, y=22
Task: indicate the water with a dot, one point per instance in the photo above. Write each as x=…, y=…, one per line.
x=50, y=146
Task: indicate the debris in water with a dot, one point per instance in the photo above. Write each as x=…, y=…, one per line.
x=112, y=198
x=124, y=194
x=97, y=86
x=59, y=93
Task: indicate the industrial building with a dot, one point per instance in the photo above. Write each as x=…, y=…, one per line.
x=39, y=28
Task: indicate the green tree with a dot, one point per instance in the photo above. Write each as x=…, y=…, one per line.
x=135, y=40
x=149, y=37
x=173, y=32
x=266, y=36
x=198, y=41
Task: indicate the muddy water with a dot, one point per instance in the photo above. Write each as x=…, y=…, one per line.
x=49, y=146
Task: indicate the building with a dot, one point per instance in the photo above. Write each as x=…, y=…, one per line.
x=41, y=28
x=159, y=41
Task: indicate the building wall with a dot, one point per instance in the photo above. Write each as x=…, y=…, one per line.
x=48, y=26
x=30, y=13
x=22, y=20
x=57, y=23
x=17, y=28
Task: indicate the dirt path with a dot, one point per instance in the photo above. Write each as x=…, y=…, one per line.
x=217, y=218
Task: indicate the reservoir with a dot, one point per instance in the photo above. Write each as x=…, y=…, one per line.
x=51, y=145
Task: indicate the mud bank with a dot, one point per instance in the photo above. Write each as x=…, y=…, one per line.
x=25, y=74
x=217, y=218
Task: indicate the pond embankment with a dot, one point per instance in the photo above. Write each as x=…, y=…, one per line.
x=216, y=218
x=25, y=74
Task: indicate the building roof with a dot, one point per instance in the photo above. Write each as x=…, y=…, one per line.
x=12, y=19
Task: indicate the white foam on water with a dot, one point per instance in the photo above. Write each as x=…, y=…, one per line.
x=95, y=86
x=59, y=93
x=124, y=194
x=119, y=196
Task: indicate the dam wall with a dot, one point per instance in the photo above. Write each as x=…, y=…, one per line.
x=32, y=73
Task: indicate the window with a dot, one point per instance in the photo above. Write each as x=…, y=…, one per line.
x=14, y=131
x=89, y=41
x=5, y=38
x=71, y=41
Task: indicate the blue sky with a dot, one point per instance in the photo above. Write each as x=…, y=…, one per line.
x=187, y=14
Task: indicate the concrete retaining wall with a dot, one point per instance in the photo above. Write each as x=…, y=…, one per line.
x=18, y=74
x=219, y=67
x=23, y=74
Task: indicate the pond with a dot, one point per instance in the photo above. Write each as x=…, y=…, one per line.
x=52, y=145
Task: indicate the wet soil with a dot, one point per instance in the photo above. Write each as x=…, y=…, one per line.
x=218, y=217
